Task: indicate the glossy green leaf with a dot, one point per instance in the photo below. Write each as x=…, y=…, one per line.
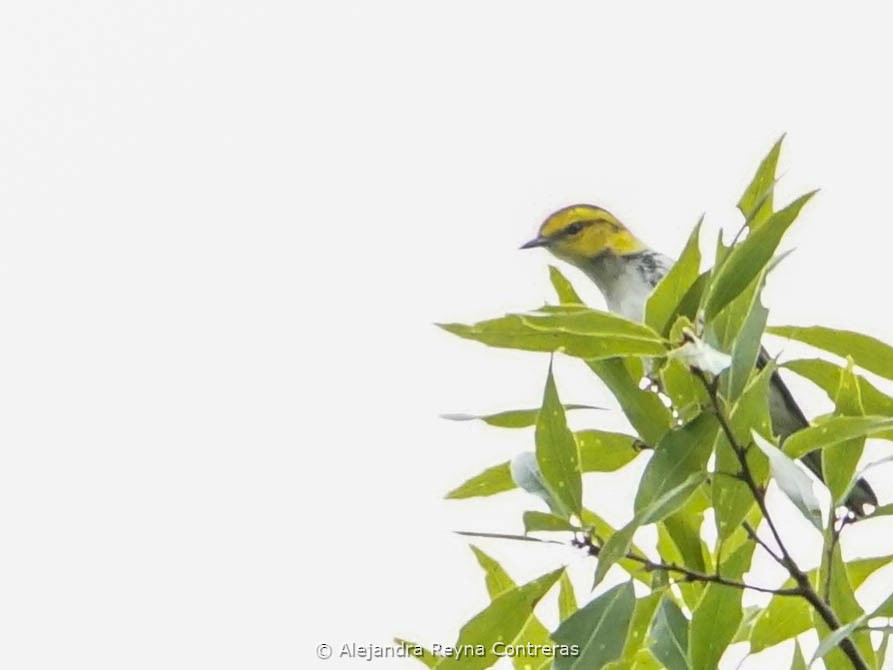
x=685, y=391
x=513, y=418
x=677, y=456
x=547, y=334
x=602, y=451
x=664, y=301
x=669, y=636
x=747, y=259
x=493, y=480
x=599, y=629
x=501, y=621
x=567, y=599
x=867, y=352
x=557, y=453
x=756, y=202
x=542, y=521
x=835, y=430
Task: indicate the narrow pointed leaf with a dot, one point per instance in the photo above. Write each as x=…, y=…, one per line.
x=839, y=461
x=756, y=202
x=493, y=480
x=501, y=621
x=513, y=418
x=557, y=453
x=677, y=456
x=602, y=451
x=495, y=577
x=867, y=352
x=747, y=259
x=424, y=656
x=643, y=409
x=530, y=334
x=567, y=599
x=669, y=634
x=565, y=291
x=826, y=376
x=835, y=430
x=541, y=521
x=664, y=301
x=599, y=629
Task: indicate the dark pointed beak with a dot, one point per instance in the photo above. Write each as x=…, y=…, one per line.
x=536, y=242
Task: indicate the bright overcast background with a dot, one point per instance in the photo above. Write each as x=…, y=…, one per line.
x=226, y=232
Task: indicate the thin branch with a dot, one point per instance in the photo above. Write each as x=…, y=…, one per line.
x=752, y=533
x=690, y=575
x=803, y=584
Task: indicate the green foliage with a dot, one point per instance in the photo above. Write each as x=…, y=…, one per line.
x=709, y=434
x=598, y=629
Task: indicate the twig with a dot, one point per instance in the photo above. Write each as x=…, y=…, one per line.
x=690, y=575
x=802, y=580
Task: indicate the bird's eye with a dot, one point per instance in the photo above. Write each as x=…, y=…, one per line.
x=574, y=228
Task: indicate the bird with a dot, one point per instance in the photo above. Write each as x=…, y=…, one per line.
x=626, y=271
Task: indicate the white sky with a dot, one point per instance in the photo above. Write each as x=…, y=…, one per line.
x=227, y=229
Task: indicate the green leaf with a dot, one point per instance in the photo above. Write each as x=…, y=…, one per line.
x=567, y=600
x=567, y=295
x=867, y=352
x=678, y=455
x=839, y=461
x=644, y=409
x=826, y=376
x=845, y=606
x=599, y=629
x=424, y=656
x=557, y=453
x=493, y=480
x=669, y=635
x=798, y=662
x=746, y=260
x=835, y=430
x=495, y=577
x=717, y=616
x=602, y=451
x=746, y=318
x=637, y=635
x=664, y=301
x=860, y=569
x=756, y=202
x=501, y=621
x=498, y=582
x=784, y=618
x=513, y=418
x=601, y=529
x=685, y=391
x=602, y=335
x=542, y=521
x=618, y=545
x=732, y=498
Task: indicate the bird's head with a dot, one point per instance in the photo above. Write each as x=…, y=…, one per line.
x=580, y=233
